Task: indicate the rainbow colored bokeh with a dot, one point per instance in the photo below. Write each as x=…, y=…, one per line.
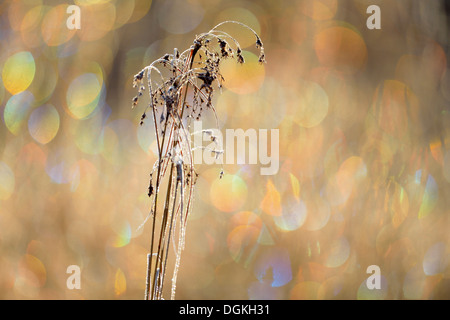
x=364, y=123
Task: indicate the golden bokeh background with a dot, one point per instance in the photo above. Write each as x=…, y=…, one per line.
x=364, y=123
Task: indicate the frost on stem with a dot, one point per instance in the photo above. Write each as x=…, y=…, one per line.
x=180, y=88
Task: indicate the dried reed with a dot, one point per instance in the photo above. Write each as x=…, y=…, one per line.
x=195, y=71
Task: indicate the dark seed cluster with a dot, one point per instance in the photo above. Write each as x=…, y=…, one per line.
x=197, y=68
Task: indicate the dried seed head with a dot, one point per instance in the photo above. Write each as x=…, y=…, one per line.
x=138, y=78
x=171, y=105
x=258, y=43
x=150, y=190
x=142, y=119
x=262, y=58
x=135, y=101
x=223, y=47
x=240, y=58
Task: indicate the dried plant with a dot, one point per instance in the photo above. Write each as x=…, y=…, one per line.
x=180, y=87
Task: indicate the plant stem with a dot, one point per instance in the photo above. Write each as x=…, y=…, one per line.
x=158, y=180
x=149, y=290
x=162, y=232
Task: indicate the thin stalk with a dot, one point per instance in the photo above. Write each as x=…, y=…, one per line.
x=158, y=180
x=163, y=229
x=170, y=230
x=193, y=52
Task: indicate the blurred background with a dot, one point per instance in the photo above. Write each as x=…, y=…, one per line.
x=364, y=123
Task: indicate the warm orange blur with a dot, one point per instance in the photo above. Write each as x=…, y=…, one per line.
x=364, y=123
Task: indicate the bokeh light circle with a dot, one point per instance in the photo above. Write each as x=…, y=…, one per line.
x=45, y=81
x=349, y=177
x=246, y=218
x=436, y=259
x=2, y=91
x=398, y=204
x=18, y=10
x=31, y=272
x=31, y=19
x=43, y=123
x=277, y=262
x=293, y=215
x=229, y=193
x=17, y=110
x=179, y=17
x=339, y=253
x=271, y=203
x=141, y=8
x=243, y=78
x=123, y=234
x=30, y=27
x=54, y=26
x=83, y=95
x=342, y=48
x=120, y=283
x=124, y=12
x=311, y=106
x=59, y=166
x=97, y=20
x=426, y=190
x=18, y=72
